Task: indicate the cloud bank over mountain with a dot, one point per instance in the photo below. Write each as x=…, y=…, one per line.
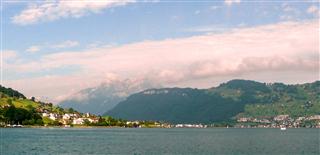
x=98, y=100
x=281, y=50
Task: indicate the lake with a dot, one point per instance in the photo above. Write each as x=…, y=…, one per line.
x=99, y=141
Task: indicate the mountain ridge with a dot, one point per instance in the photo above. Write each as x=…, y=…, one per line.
x=105, y=96
x=221, y=103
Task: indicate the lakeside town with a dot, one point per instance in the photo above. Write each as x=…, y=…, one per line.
x=279, y=121
x=72, y=118
x=18, y=111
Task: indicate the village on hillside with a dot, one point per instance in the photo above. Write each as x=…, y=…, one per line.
x=279, y=121
x=47, y=114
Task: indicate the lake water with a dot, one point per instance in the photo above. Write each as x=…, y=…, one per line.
x=218, y=141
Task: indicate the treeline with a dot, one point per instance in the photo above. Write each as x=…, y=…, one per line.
x=10, y=92
x=13, y=115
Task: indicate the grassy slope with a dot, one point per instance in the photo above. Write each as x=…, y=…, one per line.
x=19, y=103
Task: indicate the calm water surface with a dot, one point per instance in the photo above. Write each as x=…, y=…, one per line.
x=159, y=141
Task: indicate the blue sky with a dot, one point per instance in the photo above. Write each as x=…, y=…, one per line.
x=146, y=21
x=33, y=34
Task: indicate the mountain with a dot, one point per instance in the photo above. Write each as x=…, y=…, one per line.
x=222, y=103
x=100, y=99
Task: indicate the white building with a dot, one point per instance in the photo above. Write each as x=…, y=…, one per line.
x=87, y=114
x=301, y=118
x=53, y=116
x=78, y=121
x=244, y=119
x=92, y=120
x=132, y=122
x=281, y=117
x=314, y=117
x=66, y=116
x=45, y=114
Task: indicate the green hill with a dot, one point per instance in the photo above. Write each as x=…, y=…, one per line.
x=294, y=100
x=222, y=103
x=15, y=108
x=10, y=92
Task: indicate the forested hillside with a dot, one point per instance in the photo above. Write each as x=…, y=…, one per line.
x=222, y=103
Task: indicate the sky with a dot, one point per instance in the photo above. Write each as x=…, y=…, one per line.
x=52, y=49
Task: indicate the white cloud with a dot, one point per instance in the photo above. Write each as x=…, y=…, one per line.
x=66, y=44
x=230, y=2
x=214, y=7
x=208, y=29
x=8, y=55
x=313, y=10
x=33, y=49
x=61, y=45
x=289, y=12
x=95, y=44
x=197, y=12
x=54, y=10
x=286, y=17
x=175, y=18
x=287, y=8
x=277, y=51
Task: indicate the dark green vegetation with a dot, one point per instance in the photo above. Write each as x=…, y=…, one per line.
x=10, y=92
x=294, y=100
x=223, y=103
x=13, y=115
x=15, y=108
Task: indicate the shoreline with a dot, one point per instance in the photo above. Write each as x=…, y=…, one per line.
x=110, y=127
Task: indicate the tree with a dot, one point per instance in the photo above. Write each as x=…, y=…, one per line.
x=9, y=114
x=86, y=122
x=17, y=115
x=30, y=107
x=9, y=101
x=39, y=122
x=71, y=110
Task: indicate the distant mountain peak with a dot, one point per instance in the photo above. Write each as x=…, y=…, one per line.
x=105, y=96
